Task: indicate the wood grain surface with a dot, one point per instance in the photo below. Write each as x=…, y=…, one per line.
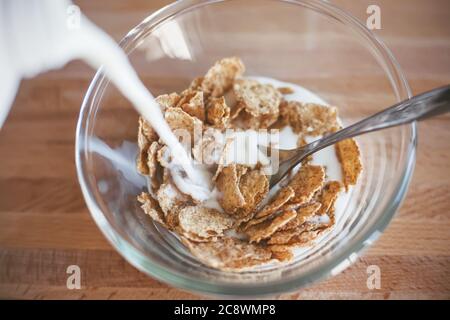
x=45, y=225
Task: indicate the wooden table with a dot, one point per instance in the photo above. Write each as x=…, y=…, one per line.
x=45, y=225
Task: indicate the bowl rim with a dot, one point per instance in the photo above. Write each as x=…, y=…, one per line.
x=179, y=280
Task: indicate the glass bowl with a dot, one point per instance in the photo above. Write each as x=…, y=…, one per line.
x=310, y=43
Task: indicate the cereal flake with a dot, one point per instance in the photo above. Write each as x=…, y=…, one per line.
x=309, y=118
x=203, y=222
x=220, y=77
x=229, y=254
x=348, y=154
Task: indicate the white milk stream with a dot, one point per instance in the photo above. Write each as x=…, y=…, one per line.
x=39, y=35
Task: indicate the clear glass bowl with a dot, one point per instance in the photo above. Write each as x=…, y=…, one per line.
x=310, y=43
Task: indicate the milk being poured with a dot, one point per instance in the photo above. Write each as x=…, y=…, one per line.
x=38, y=35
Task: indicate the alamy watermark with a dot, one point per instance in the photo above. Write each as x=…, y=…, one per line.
x=73, y=21
x=373, y=277
x=74, y=278
x=373, y=21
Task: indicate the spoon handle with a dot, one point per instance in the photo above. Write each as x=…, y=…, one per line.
x=422, y=106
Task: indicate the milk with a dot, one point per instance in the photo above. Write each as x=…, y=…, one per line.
x=38, y=35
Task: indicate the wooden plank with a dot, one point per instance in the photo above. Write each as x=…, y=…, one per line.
x=40, y=273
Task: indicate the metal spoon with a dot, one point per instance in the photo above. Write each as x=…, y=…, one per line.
x=420, y=107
